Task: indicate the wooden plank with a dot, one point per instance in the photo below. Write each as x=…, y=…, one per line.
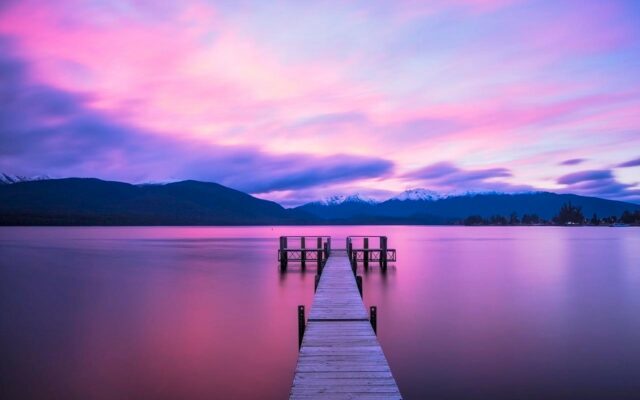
x=337, y=296
x=340, y=356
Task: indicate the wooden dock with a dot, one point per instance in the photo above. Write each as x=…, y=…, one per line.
x=340, y=356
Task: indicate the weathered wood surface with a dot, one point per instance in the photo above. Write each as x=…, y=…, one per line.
x=341, y=357
x=337, y=296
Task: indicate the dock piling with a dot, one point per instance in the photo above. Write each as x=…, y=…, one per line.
x=301, y=325
x=366, y=253
x=359, y=283
x=303, y=253
x=283, y=253
x=325, y=249
x=383, y=253
x=373, y=317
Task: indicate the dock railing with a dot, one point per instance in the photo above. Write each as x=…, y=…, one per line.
x=359, y=250
x=304, y=249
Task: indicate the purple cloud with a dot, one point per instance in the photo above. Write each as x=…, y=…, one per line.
x=446, y=171
x=599, y=183
x=630, y=163
x=573, y=161
x=257, y=172
x=446, y=176
x=582, y=176
x=47, y=130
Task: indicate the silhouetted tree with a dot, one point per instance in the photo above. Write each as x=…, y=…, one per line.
x=595, y=220
x=513, y=219
x=629, y=217
x=475, y=220
x=569, y=214
x=529, y=219
x=498, y=220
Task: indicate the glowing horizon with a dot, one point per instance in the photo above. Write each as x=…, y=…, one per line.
x=293, y=101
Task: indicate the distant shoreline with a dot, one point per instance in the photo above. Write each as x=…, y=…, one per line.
x=93, y=202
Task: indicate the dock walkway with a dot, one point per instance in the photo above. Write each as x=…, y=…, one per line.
x=340, y=356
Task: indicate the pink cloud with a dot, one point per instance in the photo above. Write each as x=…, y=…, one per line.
x=507, y=86
x=169, y=76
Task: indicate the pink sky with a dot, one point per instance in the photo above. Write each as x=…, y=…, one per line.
x=296, y=100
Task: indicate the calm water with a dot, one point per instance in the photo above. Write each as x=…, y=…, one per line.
x=167, y=313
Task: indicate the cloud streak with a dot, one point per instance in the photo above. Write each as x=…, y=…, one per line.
x=43, y=128
x=631, y=163
x=446, y=176
x=573, y=161
x=599, y=183
x=263, y=95
x=584, y=176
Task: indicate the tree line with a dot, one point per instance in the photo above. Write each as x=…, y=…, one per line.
x=568, y=214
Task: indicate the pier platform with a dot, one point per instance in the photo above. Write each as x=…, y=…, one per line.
x=340, y=356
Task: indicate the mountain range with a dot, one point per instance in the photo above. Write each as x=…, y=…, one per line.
x=427, y=207
x=89, y=201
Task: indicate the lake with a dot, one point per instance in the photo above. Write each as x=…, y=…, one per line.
x=202, y=313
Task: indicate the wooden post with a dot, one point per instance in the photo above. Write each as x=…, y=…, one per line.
x=383, y=253
x=283, y=253
x=301, y=325
x=326, y=255
x=353, y=257
x=319, y=252
x=303, y=253
x=315, y=285
x=359, y=283
x=280, y=255
x=373, y=317
x=366, y=252
x=328, y=246
x=350, y=250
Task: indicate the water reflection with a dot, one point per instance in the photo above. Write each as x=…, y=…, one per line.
x=205, y=313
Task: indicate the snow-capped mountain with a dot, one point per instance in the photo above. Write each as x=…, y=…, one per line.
x=7, y=179
x=419, y=194
x=341, y=199
x=339, y=206
x=430, y=195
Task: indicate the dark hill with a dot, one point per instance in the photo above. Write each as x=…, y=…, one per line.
x=76, y=201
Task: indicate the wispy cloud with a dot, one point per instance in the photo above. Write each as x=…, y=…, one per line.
x=631, y=163
x=446, y=176
x=499, y=84
x=573, y=161
x=44, y=128
x=583, y=176
x=599, y=183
